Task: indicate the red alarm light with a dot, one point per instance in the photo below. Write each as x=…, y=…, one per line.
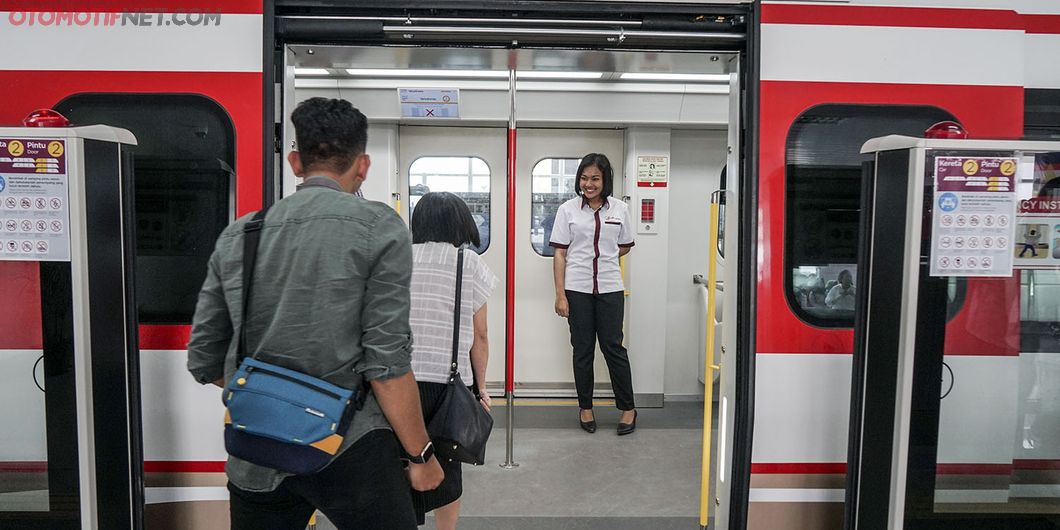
x=946, y=130
x=45, y=118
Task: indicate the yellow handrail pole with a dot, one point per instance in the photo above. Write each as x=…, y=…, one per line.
x=708, y=375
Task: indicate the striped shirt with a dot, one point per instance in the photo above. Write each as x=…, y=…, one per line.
x=431, y=314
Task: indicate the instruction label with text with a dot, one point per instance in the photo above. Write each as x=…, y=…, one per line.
x=974, y=219
x=34, y=194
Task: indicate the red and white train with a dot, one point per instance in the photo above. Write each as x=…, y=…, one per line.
x=780, y=94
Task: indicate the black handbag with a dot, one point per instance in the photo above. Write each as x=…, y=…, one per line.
x=460, y=427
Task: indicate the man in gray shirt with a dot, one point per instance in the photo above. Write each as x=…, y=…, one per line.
x=330, y=298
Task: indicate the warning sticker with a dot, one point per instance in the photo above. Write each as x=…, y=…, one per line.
x=34, y=193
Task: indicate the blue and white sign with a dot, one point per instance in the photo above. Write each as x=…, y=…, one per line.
x=3, y=184
x=429, y=102
x=948, y=202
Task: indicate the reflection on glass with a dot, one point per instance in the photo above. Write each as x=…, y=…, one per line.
x=827, y=291
x=23, y=440
x=553, y=184
x=999, y=424
x=467, y=177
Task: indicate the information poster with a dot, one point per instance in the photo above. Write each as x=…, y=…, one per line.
x=974, y=225
x=34, y=197
x=429, y=102
x=652, y=171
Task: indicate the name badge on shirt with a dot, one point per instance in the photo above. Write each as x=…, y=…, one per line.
x=613, y=220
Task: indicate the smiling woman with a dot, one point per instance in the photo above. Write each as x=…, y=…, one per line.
x=590, y=233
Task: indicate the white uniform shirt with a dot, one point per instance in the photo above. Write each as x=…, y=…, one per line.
x=433, y=292
x=592, y=239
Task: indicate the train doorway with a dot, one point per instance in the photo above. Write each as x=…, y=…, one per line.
x=538, y=103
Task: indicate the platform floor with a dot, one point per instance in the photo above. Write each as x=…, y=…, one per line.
x=568, y=479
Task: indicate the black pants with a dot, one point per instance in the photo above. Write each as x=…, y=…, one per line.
x=364, y=488
x=600, y=316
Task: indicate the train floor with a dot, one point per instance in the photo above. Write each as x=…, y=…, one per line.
x=568, y=479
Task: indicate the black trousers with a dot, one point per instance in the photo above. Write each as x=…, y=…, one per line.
x=364, y=488
x=592, y=317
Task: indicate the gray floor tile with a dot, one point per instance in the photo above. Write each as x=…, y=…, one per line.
x=570, y=479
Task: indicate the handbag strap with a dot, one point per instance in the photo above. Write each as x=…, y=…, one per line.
x=456, y=313
x=251, y=238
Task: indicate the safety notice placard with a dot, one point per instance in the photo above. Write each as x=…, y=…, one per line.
x=975, y=216
x=429, y=102
x=1038, y=234
x=34, y=193
x=652, y=171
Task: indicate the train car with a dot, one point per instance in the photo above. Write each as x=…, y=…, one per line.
x=770, y=101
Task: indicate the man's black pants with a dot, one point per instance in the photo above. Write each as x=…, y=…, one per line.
x=600, y=316
x=364, y=488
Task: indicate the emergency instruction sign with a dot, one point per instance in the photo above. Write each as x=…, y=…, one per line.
x=1038, y=234
x=34, y=194
x=974, y=219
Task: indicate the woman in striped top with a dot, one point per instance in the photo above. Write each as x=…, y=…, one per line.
x=442, y=224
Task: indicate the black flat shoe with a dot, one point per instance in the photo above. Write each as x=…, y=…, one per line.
x=587, y=426
x=628, y=428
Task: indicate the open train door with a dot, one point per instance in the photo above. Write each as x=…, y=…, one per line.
x=727, y=250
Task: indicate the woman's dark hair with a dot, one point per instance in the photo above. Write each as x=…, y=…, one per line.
x=604, y=165
x=442, y=217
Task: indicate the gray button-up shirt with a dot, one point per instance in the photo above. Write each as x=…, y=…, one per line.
x=330, y=298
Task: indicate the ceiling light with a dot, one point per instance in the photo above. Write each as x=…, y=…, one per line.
x=558, y=75
x=389, y=72
x=311, y=71
x=649, y=76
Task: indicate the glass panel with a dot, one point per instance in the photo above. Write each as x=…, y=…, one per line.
x=823, y=203
x=184, y=176
x=553, y=184
x=998, y=448
x=467, y=177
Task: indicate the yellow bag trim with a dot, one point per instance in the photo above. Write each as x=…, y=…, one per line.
x=329, y=445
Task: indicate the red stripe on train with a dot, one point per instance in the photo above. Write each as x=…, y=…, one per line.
x=973, y=469
x=137, y=6
x=1042, y=24
x=184, y=466
x=799, y=468
x=1036, y=465
x=153, y=337
x=907, y=17
x=23, y=467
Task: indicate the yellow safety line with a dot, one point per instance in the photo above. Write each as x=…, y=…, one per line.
x=708, y=370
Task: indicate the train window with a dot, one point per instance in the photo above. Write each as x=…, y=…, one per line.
x=553, y=184
x=183, y=180
x=467, y=177
x=823, y=201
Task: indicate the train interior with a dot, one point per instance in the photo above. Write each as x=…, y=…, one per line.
x=668, y=111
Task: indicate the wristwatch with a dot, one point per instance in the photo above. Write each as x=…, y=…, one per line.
x=425, y=454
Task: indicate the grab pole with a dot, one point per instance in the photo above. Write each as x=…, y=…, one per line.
x=509, y=321
x=708, y=370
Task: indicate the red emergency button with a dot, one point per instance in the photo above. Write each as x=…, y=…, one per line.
x=45, y=118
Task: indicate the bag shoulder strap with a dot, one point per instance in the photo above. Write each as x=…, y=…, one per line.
x=251, y=238
x=456, y=313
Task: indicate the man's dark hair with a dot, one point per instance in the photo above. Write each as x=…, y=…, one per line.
x=330, y=133
x=604, y=165
x=443, y=218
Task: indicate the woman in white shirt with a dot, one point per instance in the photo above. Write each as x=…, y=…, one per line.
x=590, y=233
x=442, y=224
x=841, y=295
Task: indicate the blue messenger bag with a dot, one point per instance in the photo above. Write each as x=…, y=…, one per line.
x=277, y=417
